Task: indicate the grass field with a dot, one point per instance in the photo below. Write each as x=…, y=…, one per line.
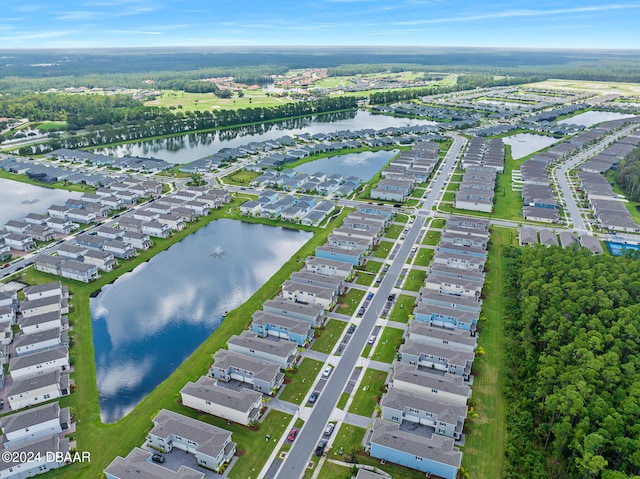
x=347, y=438
x=208, y=101
x=328, y=336
x=302, y=380
x=387, y=344
x=365, y=278
x=369, y=392
x=241, y=177
x=432, y=238
x=402, y=309
x=373, y=266
x=484, y=449
x=344, y=397
x=423, y=257
x=415, y=280
x=394, y=231
x=383, y=249
x=348, y=303
x=52, y=125
x=334, y=471
x=438, y=223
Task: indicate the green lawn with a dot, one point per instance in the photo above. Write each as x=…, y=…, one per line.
x=369, y=392
x=485, y=445
x=387, y=345
x=348, y=303
x=423, y=257
x=372, y=266
x=401, y=218
x=52, y=125
x=507, y=203
x=402, y=309
x=394, y=231
x=366, y=351
x=207, y=101
x=347, y=438
x=383, y=249
x=241, y=177
x=342, y=402
x=301, y=380
x=364, y=278
x=449, y=196
x=328, y=337
x=411, y=202
x=453, y=186
x=438, y=223
x=415, y=280
x=417, y=193
x=432, y=238
x=334, y=471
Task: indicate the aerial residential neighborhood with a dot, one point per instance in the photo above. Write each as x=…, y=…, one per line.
x=263, y=242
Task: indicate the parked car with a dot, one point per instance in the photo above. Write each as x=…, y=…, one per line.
x=414, y=249
x=385, y=268
x=361, y=311
x=379, y=280
x=6, y=265
x=372, y=340
x=391, y=297
x=329, y=429
x=403, y=236
x=313, y=397
x=327, y=371
x=352, y=328
x=292, y=435
x=370, y=296
x=159, y=458
x=320, y=448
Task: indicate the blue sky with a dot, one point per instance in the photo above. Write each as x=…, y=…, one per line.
x=141, y=23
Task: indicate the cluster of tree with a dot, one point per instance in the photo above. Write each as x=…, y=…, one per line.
x=628, y=175
x=573, y=359
x=167, y=122
x=370, y=68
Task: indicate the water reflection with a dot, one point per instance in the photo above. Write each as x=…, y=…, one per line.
x=150, y=320
x=363, y=165
x=187, y=148
x=19, y=199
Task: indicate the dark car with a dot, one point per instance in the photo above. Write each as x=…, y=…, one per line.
x=292, y=435
x=313, y=397
x=391, y=297
x=385, y=268
x=158, y=458
x=352, y=328
x=361, y=311
x=320, y=448
x=370, y=296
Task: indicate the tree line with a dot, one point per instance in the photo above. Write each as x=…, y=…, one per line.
x=573, y=362
x=628, y=175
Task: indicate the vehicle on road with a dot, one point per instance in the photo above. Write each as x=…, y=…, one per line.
x=313, y=397
x=414, y=249
x=403, y=236
x=327, y=371
x=391, y=297
x=159, y=458
x=361, y=311
x=292, y=435
x=329, y=429
x=385, y=268
x=372, y=340
x=370, y=296
x=352, y=328
x=379, y=280
x=6, y=265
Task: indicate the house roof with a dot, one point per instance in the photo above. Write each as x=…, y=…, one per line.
x=30, y=417
x=41, y=318
x=280, y=348
x=35, y=382
x=293, y=325
x=453, y=335
x=40, y=357
x=437, y=448
x=40, y=302
x=210, y=439
x=299, y=308
x=46, y=335
x=261, y=369
x=339, y=265
x=445, y=411
x=460, y=315
x=455, y=356
x=206, y=388
x=77, y=266
x=38, y=448
x=448, y=382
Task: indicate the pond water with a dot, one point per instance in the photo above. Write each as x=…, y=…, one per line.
x=591, y=118
x=187, y=148
x=19, y=199
x=363, y=165
x=524, y=144
x=150, y=320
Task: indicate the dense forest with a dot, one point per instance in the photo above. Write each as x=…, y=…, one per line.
x=628, y=175
x=573, y=360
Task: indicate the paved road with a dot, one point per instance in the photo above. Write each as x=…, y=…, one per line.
x=296, y=461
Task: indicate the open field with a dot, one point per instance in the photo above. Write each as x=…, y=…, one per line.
x=386, y=347
x=328, y=337
x=402, y=309
x=368, y=393
x=302, y=380
x=596, y=87
x=208, y=101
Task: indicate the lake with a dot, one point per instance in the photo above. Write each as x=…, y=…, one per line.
x=591, y=118
x=524, y=144
x=363, y=165
x=150, y=320
x=19, y=199
x=187, y=148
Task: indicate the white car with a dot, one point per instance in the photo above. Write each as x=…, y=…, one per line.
x=327, y=371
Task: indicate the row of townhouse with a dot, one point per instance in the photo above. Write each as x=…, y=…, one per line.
x=128, y=163
x=306, y=210
x=480, y=152
x=430, y=383
x=528, y=236
x=212, y=448
x=35, y=441
x=320, y=183
x=39, y=354
x=477, y=189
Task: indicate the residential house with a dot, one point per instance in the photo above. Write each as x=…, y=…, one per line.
x=308, y=293
x=354, y=256
x=211, y=446
x=242, y=406
x=62, y=225
x=434, y=456
x=40, y=341
x=314, y=313
x=453, y=337
x=37, y=364
x=42, y=322
x=154, y=228
x=435, y=298
x=34, y=424
x=57, y=211
x=443, y=417
x=81, y=215
x=103, y=260
x=72, y=251
x=48, y=264
x=37, y=389
x=40, y=233
x=52, y=289
x=174, y=222
x=119, y=249
x=137, y=465
x=328, y=267
x=280, y=326
x=109, y=232
x=79, y=271
x=19, y=227
x=264, y=376
x=130, y=224
x=19, y=242
x=424, y=382
x=137, y=240
x=35, y=458
x=42, y=305
x=280, y=351
x=453, y=286
x=441, y=357
x=36, y=219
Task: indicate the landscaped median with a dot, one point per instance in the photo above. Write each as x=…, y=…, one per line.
x=106, y=441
